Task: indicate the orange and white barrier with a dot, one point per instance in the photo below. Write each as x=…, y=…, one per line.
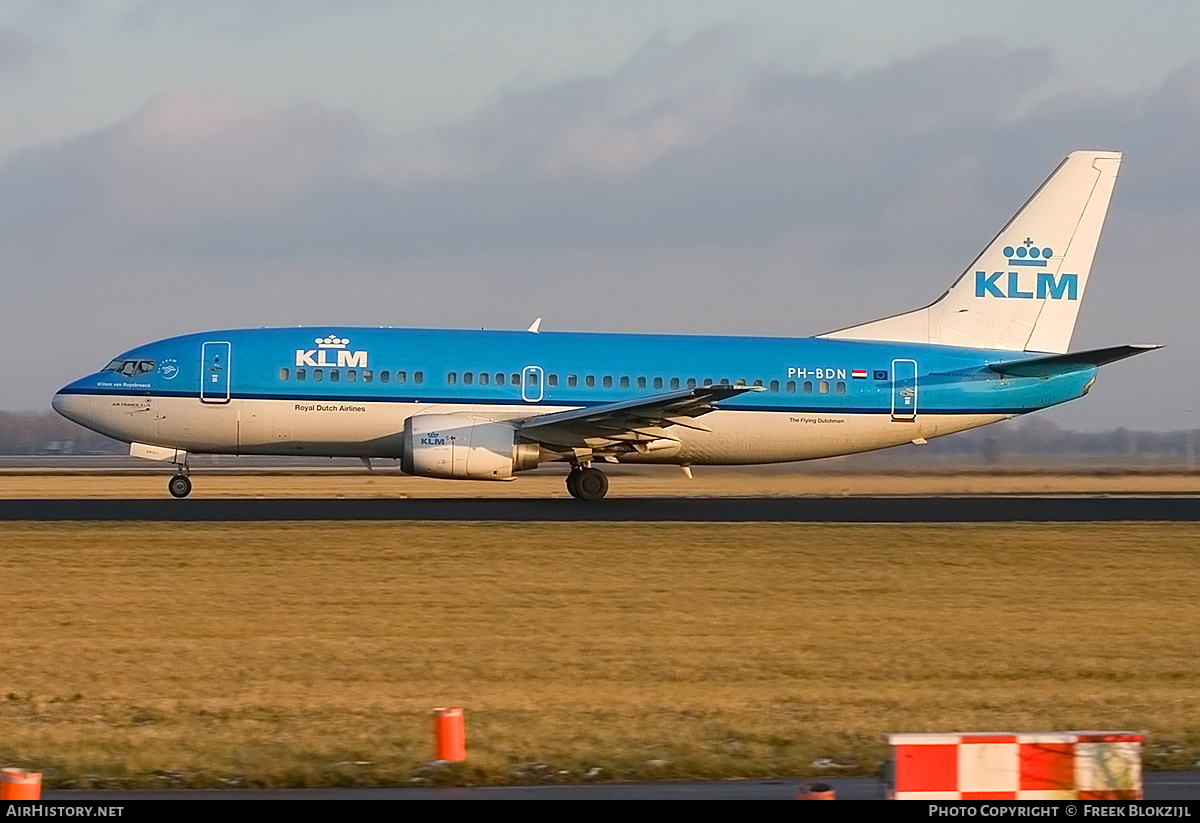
x=18, y=784
x=449, y=735
x=1051, y=766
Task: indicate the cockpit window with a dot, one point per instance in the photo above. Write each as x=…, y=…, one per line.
x=130, y=368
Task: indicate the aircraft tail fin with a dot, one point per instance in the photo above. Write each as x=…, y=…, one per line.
x=1023, y=291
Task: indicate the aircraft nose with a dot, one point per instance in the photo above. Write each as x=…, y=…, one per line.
x=75, y=407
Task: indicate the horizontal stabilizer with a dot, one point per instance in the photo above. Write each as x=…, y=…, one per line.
x=1062, y=363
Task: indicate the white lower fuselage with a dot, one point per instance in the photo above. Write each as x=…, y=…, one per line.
x=375, y=429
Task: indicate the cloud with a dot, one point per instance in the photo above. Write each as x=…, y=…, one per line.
x=676, y=194
x=182, y=162
x=669, y=151
x=16, y=50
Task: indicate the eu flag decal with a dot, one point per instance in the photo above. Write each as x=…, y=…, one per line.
x=881, y=374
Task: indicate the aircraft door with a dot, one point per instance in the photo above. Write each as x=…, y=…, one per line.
x=532, y=379
x=214, y=372
x=904, y=389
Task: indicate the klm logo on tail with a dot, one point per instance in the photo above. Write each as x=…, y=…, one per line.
x=1047, y=285
x=1039, y=285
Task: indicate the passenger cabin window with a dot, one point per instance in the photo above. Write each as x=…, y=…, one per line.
x=590, y=380
x=841, y=387
x=318, y=375
x=283, y=374
x=516, y=379
x=624, y=382
x=824, y=387
x=401, y=377
x=484, y=377
x=791, y=387
x=451, y=378
x=385, y=376
x=658, y=382
x=608, y=381
x=674, y=382
x=334, y=375
x=367, y=376
x=808, y=387
x=301, y=374
x=468, y=378
x=691, y=383
x=419, y=377
x=552, y=380
x=774, y=385
x=499, y=378
x=351, y=375
x=572, y=380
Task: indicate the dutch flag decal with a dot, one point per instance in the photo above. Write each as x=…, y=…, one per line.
x=859, y=374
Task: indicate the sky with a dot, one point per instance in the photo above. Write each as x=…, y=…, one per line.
x=757, y=168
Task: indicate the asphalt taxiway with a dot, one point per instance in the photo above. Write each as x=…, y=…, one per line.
x=858, y=509
x=1157, y=786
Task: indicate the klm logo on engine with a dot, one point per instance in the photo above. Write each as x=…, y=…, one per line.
x=1026, y=285
x=326, y=346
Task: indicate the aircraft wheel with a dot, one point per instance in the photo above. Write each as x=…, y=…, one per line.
x=590, y=484
x=573, y=483
x=179, y=486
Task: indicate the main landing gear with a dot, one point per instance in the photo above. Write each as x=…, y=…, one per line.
x=587, y=483
x=180, y=485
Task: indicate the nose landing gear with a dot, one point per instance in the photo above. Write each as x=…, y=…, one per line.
x=587, y=483
x=180, y=485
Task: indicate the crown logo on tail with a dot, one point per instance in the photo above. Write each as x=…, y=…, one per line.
x=1028, y=254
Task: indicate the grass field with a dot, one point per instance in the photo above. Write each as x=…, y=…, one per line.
x=311, y=654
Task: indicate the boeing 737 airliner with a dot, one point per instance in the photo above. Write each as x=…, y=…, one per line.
x=484, y=405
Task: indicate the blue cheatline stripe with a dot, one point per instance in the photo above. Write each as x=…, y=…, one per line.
x=533, y=407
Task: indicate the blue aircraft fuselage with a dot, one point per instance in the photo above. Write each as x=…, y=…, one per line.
x=528, y=370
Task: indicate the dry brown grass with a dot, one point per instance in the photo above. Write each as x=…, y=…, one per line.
x=311, y=654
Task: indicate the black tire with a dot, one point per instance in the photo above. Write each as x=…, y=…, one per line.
x=573, y=483
x=592, y=484
x=179, y=486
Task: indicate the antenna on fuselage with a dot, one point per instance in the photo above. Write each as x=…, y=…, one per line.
x=535, y=325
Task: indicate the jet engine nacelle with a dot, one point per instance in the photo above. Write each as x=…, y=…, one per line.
x=464, y=447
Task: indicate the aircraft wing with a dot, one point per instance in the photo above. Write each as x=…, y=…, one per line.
x=630, y=421
x=1063, y=363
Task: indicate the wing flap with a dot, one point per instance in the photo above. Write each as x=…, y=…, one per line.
x=630, y=420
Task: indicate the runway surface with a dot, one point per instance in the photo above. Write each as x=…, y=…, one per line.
x=991, y=509
x=1156, y=786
